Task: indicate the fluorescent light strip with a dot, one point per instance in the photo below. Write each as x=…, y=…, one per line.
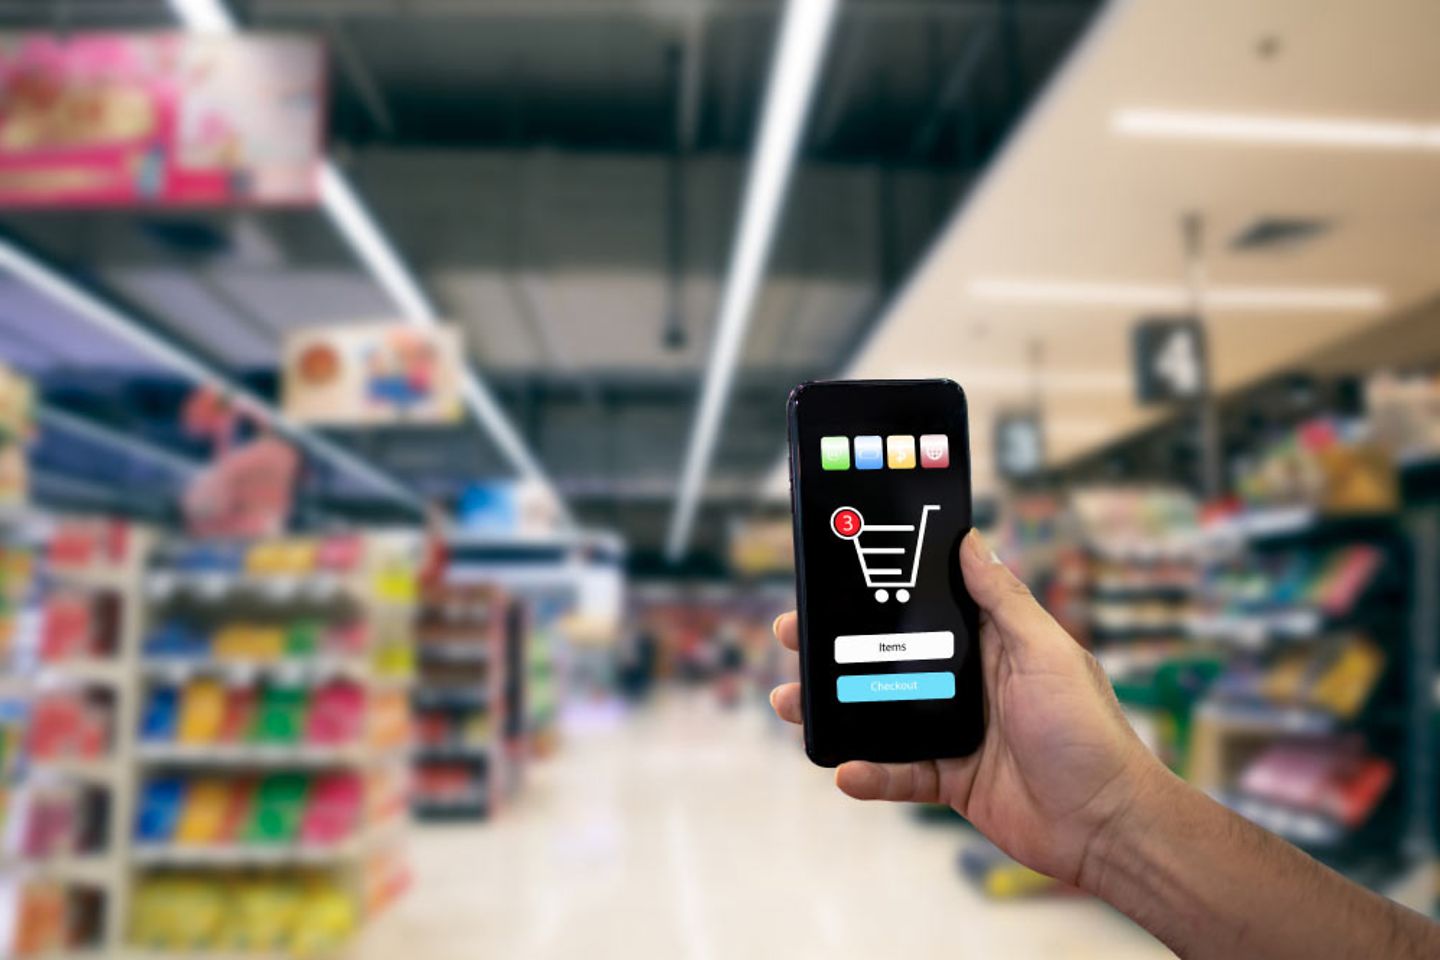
x=372, y=246
x=204, y=16
x=1175, y=297
x=793, y=73
x=108, y=436
x=351, y=217
x=1276, y=130
x=101, y=314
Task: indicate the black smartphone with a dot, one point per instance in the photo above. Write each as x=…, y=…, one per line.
x=880, y=492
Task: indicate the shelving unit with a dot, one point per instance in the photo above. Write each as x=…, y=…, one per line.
x=1363, y=655
x=275, y=679
x=95, y=563
x=460, y=760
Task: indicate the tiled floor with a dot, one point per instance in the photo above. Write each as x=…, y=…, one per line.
x=692, y=833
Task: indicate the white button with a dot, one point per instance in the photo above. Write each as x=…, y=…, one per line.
x=883, y=647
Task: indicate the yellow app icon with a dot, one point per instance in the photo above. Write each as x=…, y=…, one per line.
x=900, y=453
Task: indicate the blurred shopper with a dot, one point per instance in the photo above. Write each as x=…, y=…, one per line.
x=1063, y=785
x=638, y=660
x=729, y=664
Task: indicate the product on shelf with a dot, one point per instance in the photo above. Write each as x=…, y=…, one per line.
x=69, y=725
x=1326, y=463
x=285, y=809
x=1332, y=778
x=1335, y=676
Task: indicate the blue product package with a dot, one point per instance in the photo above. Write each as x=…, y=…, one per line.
x=160, y=803
x=157, y=725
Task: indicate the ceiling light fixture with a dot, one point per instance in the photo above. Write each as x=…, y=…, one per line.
x=355, y=223
x=1277, y=130
x=204, y=16
x=1176, y=297
x=125, y=328
x=794, y=68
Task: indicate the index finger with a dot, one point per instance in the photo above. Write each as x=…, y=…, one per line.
x=787, y=630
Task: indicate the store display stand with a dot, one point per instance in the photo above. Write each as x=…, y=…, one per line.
x=373, y=604
x=106, y=870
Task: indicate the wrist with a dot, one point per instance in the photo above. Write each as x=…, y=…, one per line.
x=1140, y=801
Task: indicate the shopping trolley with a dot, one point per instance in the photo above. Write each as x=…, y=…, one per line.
x=847, y=524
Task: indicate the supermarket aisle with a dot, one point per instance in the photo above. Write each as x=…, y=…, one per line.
x=687, y=832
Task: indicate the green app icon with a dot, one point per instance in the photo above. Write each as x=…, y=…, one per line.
x=835, y=453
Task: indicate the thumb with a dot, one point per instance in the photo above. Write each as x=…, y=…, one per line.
x=1002, y=596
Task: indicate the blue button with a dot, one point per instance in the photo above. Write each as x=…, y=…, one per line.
x=875, y=687
x=869, y=454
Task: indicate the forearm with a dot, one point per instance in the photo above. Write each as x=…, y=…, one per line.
x=1208, y=883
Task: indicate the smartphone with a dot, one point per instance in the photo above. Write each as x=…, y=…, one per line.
x=880, y=492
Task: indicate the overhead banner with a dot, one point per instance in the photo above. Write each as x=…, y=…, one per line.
x=373, y=374
x=159, y=120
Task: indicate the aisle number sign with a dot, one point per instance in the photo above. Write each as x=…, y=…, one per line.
x=1170, y=360
x=1019, y=444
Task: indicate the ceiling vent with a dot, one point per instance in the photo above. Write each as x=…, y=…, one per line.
x=1278, y=233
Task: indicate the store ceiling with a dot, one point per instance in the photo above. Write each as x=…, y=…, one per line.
x=1073, y=201
x=518, y=155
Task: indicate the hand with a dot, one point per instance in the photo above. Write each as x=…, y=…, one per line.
x=1058, y=766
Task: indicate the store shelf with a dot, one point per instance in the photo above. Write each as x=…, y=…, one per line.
x=319, y=669
x=98, y=671
x=459, y=807
x=259, y=755
x=103, y=772
x=1266, y=718
x=1313, y=831
x=432, y=698
x=101, y=579
x=452, y=752
x=257, y=855
x=1262, y=524
x=318, y=586
x=92, y=870
x=456, y=653
x=1253, y=629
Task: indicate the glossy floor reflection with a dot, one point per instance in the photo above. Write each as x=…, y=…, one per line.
x=686, y=831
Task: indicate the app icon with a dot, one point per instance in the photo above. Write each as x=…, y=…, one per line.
x=900, y=452
x=868, y=453
x=934, y=451
x=834, y=453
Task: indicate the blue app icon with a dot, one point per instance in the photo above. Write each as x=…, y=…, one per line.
x=869, y=453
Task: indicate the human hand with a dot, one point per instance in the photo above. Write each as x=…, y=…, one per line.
x=1059, y=765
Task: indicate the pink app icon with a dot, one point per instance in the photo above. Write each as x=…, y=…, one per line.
x=934, y=451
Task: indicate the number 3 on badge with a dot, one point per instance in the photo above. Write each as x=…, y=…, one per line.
x=847, y=523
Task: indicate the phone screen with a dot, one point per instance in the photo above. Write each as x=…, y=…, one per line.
x=880, y=489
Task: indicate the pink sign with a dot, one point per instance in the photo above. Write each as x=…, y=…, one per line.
x=159, y=119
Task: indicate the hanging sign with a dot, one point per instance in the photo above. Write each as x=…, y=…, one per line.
x=363, y=375
x=1170, y=359
x=159, y=119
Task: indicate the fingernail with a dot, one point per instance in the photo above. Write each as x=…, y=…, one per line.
x=995, y=557
x=977, y=545
x=775, y=625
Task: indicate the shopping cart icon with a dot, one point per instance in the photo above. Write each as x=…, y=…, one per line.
x=875, y=560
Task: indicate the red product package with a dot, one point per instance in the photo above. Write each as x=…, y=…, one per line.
x=340, y=553
x=237, y=810
x=239, y=715
x=333, y=813
x=65, y=631
x=337, y=714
